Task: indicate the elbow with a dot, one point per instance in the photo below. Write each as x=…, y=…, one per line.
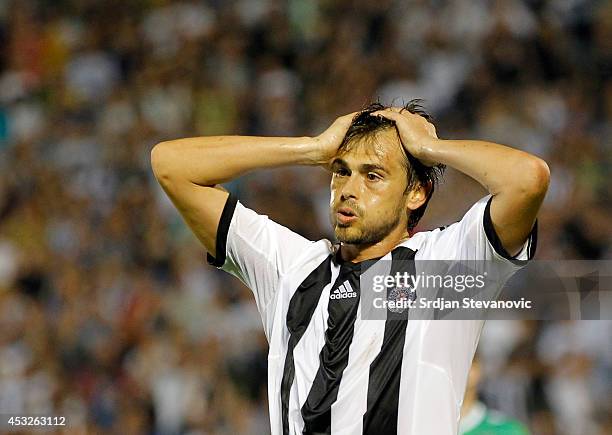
x=535, y=178
x=541, y=175
x=160, y=162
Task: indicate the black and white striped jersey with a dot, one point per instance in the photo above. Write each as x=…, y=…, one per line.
x=330, y=371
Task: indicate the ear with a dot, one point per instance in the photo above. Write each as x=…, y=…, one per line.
x=416, y=197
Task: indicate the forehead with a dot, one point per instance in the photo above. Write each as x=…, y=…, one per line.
x=384, y=148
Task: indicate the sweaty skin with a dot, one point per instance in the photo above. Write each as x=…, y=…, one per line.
x=189, y=170
x=518, y=181
x=370, y=183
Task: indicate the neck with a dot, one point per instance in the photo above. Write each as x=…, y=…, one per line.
x=357, y=253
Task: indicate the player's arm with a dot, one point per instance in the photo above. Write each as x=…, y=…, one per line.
x=518, y=181
x=190, y=169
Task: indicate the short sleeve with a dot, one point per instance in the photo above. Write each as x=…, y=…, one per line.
x=474, y=238
x=255, y=249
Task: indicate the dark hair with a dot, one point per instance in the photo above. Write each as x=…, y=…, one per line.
x=365, y=126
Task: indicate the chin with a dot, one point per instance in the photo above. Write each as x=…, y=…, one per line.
x=348, y=235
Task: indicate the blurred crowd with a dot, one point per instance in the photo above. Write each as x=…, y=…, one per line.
x=109, y=314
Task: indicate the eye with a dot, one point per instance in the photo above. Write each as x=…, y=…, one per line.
x=342, y=172
x=373, y=176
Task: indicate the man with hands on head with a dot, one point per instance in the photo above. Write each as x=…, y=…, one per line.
x=329, y=369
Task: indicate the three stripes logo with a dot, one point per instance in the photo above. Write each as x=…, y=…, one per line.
x=345, y=291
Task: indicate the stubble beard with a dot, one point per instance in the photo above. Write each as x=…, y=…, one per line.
x=366, y=236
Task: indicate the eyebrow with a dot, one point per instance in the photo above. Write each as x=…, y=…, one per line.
x=366, y=167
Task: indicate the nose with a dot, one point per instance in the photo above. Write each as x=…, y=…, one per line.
x=350, y=188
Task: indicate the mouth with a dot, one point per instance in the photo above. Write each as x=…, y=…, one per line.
x=345, y=215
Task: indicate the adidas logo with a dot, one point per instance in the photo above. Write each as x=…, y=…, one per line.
x=345, y=291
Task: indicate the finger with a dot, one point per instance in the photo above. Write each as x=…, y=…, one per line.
x=402, y=111
x=398, y=112
x=387, y=114
x=393, y=109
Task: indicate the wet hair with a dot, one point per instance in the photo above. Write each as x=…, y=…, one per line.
x=365, y=127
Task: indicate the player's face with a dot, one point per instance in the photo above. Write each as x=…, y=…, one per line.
x=368, y=190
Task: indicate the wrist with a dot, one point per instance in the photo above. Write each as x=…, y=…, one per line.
x=428, y=151
x=313, y=151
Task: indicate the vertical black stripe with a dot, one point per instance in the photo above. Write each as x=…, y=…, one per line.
x=385, y=370
x=299, y=314
x=334, y=356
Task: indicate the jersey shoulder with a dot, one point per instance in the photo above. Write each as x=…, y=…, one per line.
x=315, y=254
x=423, y=242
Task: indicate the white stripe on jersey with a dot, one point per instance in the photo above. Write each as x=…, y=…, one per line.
x=306, y=355
x=352, y=401
x=353, y=392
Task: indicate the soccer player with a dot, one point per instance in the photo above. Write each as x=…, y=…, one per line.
x=329, y=369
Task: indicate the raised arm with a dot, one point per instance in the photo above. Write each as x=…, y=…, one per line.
x=189, y=170
x=517, y=180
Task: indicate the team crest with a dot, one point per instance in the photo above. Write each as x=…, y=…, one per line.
x=401, y=297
